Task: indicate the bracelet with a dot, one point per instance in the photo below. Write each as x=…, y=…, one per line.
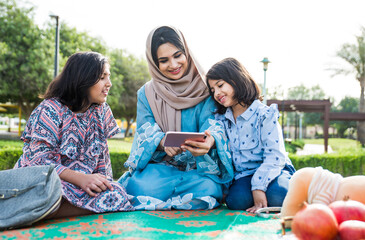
x=269, y=212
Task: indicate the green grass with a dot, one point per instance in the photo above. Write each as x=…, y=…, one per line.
x=120, y=145
x=338, y=145
x=8, y=144
x=115, y=145
x=341, y=145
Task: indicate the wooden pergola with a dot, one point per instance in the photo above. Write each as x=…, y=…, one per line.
x=322, y=106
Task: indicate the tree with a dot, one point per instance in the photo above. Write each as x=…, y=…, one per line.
x=27, y=54
x=313, y=93
x=303, y=93
x=25, y=59
x=128, y=75
x=276, y=92
x=347, y=104
x=354, y=54
x=72, y=41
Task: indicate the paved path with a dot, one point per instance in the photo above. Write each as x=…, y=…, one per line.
x=313, y=149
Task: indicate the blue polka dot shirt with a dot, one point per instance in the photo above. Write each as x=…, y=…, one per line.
x=257, y=144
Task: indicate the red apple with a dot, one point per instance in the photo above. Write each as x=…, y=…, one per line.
x=352, y=230
x=348, y=210
x=315, y=222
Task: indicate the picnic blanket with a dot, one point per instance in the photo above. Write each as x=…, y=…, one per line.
x=220, y=223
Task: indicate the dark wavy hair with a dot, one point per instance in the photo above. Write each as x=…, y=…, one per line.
x=71, y=86
x=164, y=35
x=231, y=71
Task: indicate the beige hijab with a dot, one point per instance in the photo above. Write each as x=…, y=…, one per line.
x=167, y=97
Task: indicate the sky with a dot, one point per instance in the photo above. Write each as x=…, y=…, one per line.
x=300, y=38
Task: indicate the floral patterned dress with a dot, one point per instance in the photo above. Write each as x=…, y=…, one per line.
x=55, y=135
x=184, y=182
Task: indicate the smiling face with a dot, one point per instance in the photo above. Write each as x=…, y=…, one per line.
x=98, y=93
x=172, y=62
x=223, y=92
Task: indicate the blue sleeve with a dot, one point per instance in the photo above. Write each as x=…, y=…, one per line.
x=147, y=137
x=274, y=156
x=217, y=164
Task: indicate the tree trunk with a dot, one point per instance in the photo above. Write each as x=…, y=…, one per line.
x=361, y=124
x=128, y=127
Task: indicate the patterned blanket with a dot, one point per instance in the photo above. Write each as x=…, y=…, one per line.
x=219, y=223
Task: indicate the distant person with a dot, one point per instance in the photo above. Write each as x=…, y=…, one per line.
x=69, y=129
x=262, y=166
x=176, y=99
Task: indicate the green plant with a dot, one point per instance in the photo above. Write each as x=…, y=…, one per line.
x=117, y=161
x=345, y=164
x=348, y=160
x=292, y=146
x=8, y=158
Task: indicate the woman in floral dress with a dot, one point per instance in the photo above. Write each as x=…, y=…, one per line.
x=69, y=129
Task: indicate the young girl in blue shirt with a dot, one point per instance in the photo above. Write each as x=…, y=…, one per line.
x=262, y=166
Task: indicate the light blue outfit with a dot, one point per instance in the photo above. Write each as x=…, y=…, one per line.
x=185, y=182
x=258, y=155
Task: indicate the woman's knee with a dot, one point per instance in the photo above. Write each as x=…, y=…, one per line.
x=204, y=186
x=212, y=188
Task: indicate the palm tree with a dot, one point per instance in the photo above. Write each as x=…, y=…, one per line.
x=354, y=54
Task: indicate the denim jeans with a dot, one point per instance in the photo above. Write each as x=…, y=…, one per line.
x=240, y=196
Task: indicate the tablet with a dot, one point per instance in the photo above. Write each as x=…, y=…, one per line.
x=176, y=139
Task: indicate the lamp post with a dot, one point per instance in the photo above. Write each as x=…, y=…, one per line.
x=266, y=62
x=56, y=44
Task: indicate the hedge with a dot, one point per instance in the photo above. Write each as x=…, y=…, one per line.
x=8, y=158
x=346, y=165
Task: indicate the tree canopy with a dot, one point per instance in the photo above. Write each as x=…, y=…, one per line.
x=27, y=60
x=128, y=74
x=26, y=57
x=354, y=55
x=347, y=104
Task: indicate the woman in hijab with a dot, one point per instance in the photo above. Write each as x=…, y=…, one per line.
x=194, y=175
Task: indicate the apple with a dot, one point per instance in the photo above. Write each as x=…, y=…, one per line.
x=352, y=230
x=348, y=210
x=315, y=222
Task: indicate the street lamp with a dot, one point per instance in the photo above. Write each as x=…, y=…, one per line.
x=266, y=62
x=56, y=43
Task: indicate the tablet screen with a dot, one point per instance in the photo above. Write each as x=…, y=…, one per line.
x=176, y=139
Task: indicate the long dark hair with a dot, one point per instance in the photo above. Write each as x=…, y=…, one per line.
x=164, y=35
x=71, y=86
x=231, y=71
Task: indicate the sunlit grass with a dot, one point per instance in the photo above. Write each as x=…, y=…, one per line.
x=115, y=144
x=341, y=145
x=120, y=145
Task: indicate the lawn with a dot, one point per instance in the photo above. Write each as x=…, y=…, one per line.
x=115, y=144
x=340, y=145
x=120, y=144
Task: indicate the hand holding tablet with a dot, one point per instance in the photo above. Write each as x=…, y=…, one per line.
x=176, y=139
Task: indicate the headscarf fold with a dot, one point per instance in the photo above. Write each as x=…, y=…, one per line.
x=167, y=97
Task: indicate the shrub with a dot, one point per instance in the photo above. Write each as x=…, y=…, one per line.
x=8, y=157
x=345, y=164
x=292, y=146
x=118, y=160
